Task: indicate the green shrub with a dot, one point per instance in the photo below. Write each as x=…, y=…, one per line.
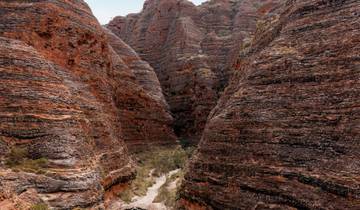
x=126, y=196
x=39, y=206
x=166, y=160
x=18, y=160
x=16, y=156
x=34, y=166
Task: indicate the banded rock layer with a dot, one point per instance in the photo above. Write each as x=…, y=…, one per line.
x=191, y=49
x=285, y=134
x=69, y=97
x=146, y=119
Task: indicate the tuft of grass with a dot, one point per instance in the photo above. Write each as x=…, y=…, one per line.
x=126, y=196
x=34, y=166
x=39, y=206
x=16, y=156
x=18, y=160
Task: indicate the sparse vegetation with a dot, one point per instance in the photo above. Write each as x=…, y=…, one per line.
x=151, y=164
x=168, y=160
x=162, y=160
x=18, y=160
x=39, y=206
x=168, y=195
x=142, y=182
x=16, y=156
x=126, y=195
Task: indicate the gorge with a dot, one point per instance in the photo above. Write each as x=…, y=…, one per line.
x=231, y=104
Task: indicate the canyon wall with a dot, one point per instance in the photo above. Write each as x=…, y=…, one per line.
x=71, y=97
x=192, y=49
x=286, y=132
x=145, y=116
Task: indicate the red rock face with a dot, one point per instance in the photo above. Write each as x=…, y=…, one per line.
x=285, y=134
x=145, y=115
x=143, y=72
x=191, y=49
x=68, y=96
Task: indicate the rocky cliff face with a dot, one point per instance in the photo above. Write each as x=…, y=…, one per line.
x=68, y=93
x=145, y=116
x=191, y=49
x=285, y=134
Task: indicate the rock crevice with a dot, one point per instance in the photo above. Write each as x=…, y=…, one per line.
x=192, y=49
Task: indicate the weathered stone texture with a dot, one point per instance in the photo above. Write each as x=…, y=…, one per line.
x=49, y=111
x=285, y=134
x=147, y=120
x=191, y=49
x=68, y=96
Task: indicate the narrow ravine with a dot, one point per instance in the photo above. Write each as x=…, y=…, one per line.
x=147, y=201
x=158, y=177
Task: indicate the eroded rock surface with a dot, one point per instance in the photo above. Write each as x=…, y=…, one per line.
x=191, y=49
x=285, y=134
x=69, y=97
x=147, y=120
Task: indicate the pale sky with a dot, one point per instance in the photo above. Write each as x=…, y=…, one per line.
x=105, y=10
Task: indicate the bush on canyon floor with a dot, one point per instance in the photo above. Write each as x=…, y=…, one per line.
x=167, y=160
x=16, y=156
x=18, y=159
x=39, y=206
x=126, y=195
x=163, y=160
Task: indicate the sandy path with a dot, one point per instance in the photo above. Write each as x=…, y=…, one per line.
x=146, y=202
